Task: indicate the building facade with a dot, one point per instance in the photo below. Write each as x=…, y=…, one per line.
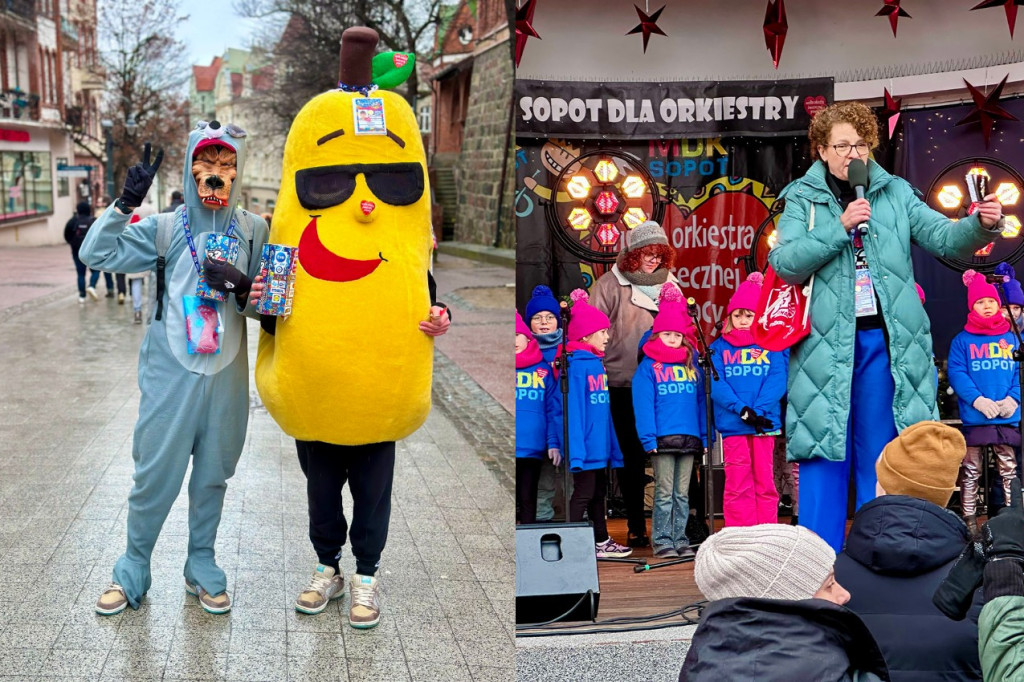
x=48, y=81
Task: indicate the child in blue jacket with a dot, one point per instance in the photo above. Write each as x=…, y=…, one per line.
x=747, y=411
x=593, y=446
x=669, y=408
x=984, y=376
x=538, y=420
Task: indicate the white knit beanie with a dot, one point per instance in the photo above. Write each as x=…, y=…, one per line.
x=770, y=561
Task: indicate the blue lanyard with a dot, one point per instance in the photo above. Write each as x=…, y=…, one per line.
x=191, y=242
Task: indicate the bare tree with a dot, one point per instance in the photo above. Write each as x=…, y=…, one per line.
x=303, y=45
x=147, y=68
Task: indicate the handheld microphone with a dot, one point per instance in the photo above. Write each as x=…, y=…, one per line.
x=857, y=173
x=691, y=307
x=719, y=325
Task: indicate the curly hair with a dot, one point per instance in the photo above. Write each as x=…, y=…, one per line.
x=632, y=260
x=856, y=114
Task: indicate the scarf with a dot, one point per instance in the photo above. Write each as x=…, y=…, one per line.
x=739, y=337
x=986, y=326
x=549, y=340
x=656, y=350
x=530, y=355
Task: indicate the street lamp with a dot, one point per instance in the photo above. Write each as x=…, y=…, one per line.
x=108, y=133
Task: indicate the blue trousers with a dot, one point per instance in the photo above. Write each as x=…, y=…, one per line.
x=94, y=275
x=824, y=484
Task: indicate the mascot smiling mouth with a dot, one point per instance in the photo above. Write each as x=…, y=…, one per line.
x=322, y=263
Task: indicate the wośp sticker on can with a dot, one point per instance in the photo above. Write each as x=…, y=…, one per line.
x=368, y=114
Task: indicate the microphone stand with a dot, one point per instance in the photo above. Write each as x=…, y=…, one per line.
x=562, y=365
x=709, y=373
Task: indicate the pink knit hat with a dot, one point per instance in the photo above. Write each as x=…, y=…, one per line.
x=521, y=327
x=746, y=294
x=672, y=315
x=978, y=288
x=585, y=319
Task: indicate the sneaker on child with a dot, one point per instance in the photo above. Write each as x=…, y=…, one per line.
x=364, y=611
x=324, y=586
x=611, y=549
x=665, y=553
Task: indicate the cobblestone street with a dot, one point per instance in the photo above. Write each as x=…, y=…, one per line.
x=70, y=400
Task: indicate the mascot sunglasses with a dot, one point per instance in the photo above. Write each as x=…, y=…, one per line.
x=397, y=184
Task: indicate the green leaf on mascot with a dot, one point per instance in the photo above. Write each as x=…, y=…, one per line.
x=391, y=69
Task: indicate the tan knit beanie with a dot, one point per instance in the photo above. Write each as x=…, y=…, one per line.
x=922, y=462
x=770, y=561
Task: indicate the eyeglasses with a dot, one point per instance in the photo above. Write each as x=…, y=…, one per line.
x=844, y=148
x=651, y=257
x=542, y=317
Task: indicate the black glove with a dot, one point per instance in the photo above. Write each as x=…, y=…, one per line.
x=748, y=416
x=763, y=425
x=223, y=276
x=1003, y=536
x=956, y=592
x=140, y=179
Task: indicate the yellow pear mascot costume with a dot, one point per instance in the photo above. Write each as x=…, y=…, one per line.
x=348, y=372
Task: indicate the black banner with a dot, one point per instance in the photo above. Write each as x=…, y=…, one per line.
x=616, y=111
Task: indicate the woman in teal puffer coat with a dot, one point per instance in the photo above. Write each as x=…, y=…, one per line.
x=866, y=367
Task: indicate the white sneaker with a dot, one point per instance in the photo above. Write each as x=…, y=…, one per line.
x=364, y=611
x=81, y=300
x=324, y=586
x=92, y=293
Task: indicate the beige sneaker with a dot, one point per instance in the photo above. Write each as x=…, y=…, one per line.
x=324, y=586
x=364, y=612
x=211, y=604
x=112, y=601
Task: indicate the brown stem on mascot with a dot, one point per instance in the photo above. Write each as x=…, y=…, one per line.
x=357, y=48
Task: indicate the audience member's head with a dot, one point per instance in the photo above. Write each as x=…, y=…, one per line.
x=769, y=561
x=922, y=462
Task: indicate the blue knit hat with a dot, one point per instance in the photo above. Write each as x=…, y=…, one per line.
x=1014, y=294
x=542, y=299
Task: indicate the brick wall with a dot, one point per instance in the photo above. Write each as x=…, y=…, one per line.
x=483, y=151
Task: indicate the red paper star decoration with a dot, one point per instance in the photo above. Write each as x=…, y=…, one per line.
x=647, y=25
x=1009, y=5
x=893, y=10
x=775, y=29
x=892, y=111
x=524, y=27
x=987, y=109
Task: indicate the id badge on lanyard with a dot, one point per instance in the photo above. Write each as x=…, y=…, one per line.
x=864, y=294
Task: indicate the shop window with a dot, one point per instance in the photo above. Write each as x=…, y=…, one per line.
x=26, y=185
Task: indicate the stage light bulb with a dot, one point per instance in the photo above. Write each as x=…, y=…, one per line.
x=606, y=203
x=608, y=234
x=579, y=218
x=578, y=187
x=950, y=196
x=773, y=239
x=986, y=251
x=1007, y=194
x=606, y=171
x=1011, y=226
x=634, y=186
x=634, y=217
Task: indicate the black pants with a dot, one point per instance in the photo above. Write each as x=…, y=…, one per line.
x=527, y=477
x=588, y=494
x=370, y=472
x=632, y=477
x=119, y=278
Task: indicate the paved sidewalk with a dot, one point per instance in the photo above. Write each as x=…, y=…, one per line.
x=69, y=402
